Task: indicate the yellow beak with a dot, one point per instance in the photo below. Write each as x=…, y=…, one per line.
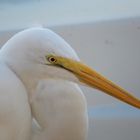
x=95, y=80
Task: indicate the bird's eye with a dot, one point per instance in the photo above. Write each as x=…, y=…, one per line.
x=52, y=59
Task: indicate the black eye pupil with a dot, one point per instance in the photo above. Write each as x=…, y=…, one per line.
x=52, y=59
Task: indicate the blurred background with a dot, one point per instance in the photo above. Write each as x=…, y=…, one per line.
x=106, y=36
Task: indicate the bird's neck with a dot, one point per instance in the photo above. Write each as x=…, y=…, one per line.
x=29, y=80
x=59, y=106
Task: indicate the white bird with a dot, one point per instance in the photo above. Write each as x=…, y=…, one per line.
x=39, y=64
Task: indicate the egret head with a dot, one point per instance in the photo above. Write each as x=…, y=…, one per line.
x=39, y=53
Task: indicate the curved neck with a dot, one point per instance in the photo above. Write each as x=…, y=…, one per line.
x=60, y=108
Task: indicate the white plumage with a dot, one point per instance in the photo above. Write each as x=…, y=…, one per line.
x=60, y=109
x=15, y=113
x=22, y=56
x=38, y=76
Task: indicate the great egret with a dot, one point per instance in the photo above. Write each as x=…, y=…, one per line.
x=43, y=66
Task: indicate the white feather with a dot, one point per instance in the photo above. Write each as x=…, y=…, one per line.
x=58, y=106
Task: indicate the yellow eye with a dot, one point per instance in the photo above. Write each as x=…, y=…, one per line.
x=52, y=59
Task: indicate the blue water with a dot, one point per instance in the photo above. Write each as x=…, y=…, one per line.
x=114, y=112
